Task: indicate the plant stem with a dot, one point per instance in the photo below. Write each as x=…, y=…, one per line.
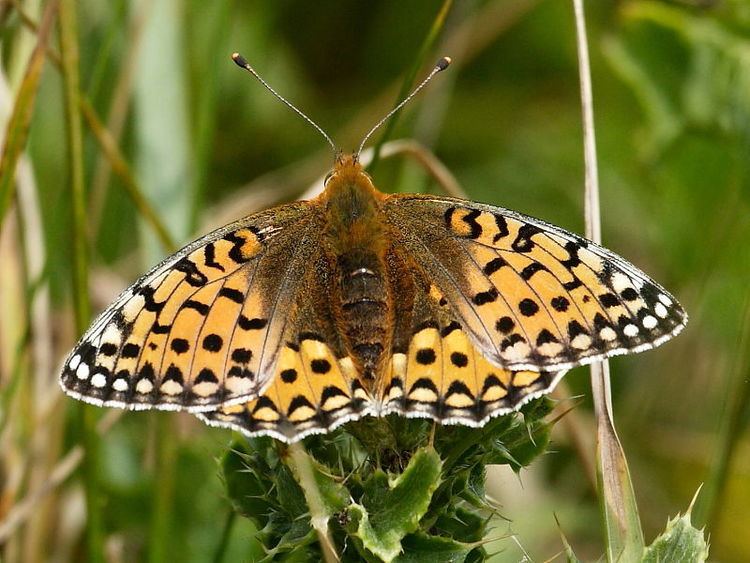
x=164, y=476
x=624, y=537
x=302, y=467
x=87, y=417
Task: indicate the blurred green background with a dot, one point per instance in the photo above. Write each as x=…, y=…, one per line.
x=206, y=144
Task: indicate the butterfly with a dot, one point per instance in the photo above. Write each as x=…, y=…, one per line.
x=356, y=303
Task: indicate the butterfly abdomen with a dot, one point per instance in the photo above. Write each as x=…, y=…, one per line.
x=357, y=242
x=364, y=308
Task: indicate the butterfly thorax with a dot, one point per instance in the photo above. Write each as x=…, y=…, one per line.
x=356, y=244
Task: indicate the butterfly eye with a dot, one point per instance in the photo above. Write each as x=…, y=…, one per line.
x=328, y=177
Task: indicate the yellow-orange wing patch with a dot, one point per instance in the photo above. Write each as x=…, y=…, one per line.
x=442, y=375
x=202, y=328
x=530, y=295
x=299, y=401
x=315, y=387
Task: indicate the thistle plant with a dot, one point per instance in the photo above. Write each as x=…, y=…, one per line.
x=391, y=489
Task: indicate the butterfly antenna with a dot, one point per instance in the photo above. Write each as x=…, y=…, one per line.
x=440, y=66
x=241, y=62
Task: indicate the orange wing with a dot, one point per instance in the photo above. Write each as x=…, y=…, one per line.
x=531, y=295
x=202, y=328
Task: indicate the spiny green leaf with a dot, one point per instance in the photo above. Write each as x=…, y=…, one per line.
x=246, y=490
x=290, y=494
x=679, y=542
x=333, y=495
x=461, y=524
x=400, y=509
x=422, y=548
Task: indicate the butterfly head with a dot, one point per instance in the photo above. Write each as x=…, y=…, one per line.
x=348, y=177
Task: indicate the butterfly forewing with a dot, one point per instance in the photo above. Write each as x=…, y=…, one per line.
x=531, y=295
x=204, y=327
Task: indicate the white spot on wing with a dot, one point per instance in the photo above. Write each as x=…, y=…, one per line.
x=238, y=385
x=666, y=300
x=518, y=351
x=74, y=361
x=120, y=385
x=650, y=322
x=621, y=282
x=581, y=342
x=171, y=387
x=133, y=307
x=608, y=334
x=144, y=386
x=630, y=330
x=423, y=395
x=661, y=310
x=399, y=364
x=99, y=380
x=111, y=334
x=82, y=372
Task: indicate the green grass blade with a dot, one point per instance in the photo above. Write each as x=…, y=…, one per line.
x=120, y=166
x=115, y=158
x=164, y=168
x=20, y=118
x=207, y=75
x=87, y=416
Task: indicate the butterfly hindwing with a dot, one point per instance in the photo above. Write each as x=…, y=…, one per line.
x=202, y=328
x=531, y=295
x=437, y=372
x=315, y=386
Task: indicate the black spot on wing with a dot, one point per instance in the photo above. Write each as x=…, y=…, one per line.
x=202, y=308
x=251, y=324
x=459, y=359
x=459, y=388
x=494, y=265
x=209, y=257
x=505, y=325
x=471, y=219
x=502, y=228
x=523, y=242
x=546, y=337
x=528, y=272
x=297, y=403
x=573, y=259
x=288, y=375
x=484, y=297
x=193, y=275
x=130, y=350
x=450, y=328
x=232, y=294
x=426, y=356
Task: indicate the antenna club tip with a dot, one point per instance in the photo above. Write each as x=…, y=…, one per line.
x=239, y=60
x=443, y=63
